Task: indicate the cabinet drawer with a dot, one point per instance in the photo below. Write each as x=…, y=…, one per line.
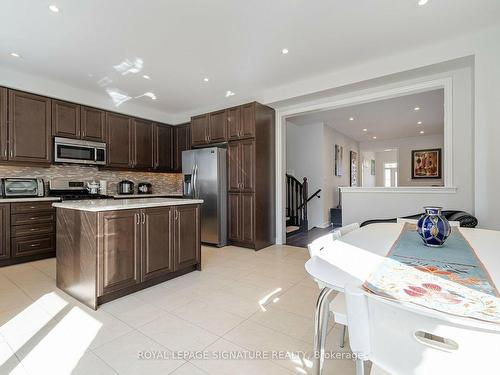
x=28, y=207
x=31, y=245
x=31, y=230
x=33, y=218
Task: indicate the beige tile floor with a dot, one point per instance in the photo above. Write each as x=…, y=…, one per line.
x=241, y=301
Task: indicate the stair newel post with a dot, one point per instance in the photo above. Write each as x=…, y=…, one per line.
x=304, y=202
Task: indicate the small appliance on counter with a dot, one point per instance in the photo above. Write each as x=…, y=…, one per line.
x=125, y=187
x=74, y=189
x=144, y=188
x=22, y=187
x=93, y=187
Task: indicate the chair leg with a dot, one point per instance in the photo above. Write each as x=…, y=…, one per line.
x=320, y=322
x=360, y=367
x=342, y=337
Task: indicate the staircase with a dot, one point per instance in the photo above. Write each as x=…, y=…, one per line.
x=296, y=204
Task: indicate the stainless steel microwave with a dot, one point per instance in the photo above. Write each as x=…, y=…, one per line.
x=67, y=150
x=22, y=187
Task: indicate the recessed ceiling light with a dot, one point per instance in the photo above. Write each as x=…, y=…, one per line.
x=422, y=2
x=388, y=149
x=416, y=108
x=14, y=54
x=351, y=118
x=365, y=130
x=206, y=79
x=54, y=8
x=150, y=94
x=422, y=132
x=374, y=137
x=284, y=51
x=419, y=123
x=145, y=76
x=229, y=93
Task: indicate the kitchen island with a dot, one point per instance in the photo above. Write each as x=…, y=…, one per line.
x=110, y=248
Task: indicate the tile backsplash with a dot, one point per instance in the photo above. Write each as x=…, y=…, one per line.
x=162, y=182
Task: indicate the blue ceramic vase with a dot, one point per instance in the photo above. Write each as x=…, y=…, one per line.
x=433, y=227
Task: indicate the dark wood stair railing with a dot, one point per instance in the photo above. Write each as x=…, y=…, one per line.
x=296, y=202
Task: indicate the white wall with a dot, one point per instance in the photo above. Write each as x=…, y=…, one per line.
x=305, y=158
x=405, y=147
x=484, y=131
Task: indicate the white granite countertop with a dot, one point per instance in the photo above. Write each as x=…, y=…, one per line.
x=96, y=205
x=154, y=195
x=32, y=199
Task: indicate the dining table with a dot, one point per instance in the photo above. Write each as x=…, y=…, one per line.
x=352, y=258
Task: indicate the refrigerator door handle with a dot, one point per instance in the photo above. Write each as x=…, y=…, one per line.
x=191, y=193
x=195, y=181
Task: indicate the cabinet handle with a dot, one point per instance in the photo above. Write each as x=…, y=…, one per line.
x=137, y=219
x=143, y=217
x=5, y=152
x=35, y=244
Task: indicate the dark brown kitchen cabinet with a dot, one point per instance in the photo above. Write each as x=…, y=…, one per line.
x=65, y=119
x=182, y=142
x=93, y=124
x=163, y=139
x=241, y=217
x=233, y=123
x=4, y=231
x=157, y=242
x=199, y=130
x=241, y=165
x=241, y=121
x=119, y=140
x=119, y=256
x=29, y=128
x=187, y=242
x=142, y=144
x=3, y=124
x=217, y=127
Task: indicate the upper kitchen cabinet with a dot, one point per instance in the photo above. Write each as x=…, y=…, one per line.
x=182, y=142
x=209, y=128
x=199, y=130
x=142, y=144
x=241, y=122
x=3, y=124
x=119, y=140
x=29, y=128
x=65, y=119
x=163, y=140
x=93, y=124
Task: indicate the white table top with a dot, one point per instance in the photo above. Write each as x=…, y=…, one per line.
x=96, y=205
x=351, y=259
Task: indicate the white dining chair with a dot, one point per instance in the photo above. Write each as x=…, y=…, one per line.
x=402, y=338
x=337, y=305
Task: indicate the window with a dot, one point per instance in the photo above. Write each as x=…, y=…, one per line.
x=390, y=174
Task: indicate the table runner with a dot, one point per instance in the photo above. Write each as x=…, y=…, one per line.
x=450, y=279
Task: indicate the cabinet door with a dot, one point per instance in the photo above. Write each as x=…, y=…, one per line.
x=234, y=222
x=248, y=121
x=119, y=250
x=199, y=125
x=3, y=124
x=163, y=147
x=29, y=128
x=93, y=124
x=4, y=231
x=119, y=132
x=143, y=144
x=187, y=236
x=233, y=123
x=247, y=164
x=182, y=142
x=233, y=166
x=157, y=242
x=247, y=219
x=65, y=119
x=217, y=127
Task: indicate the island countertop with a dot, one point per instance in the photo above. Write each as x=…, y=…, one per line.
x=97, y=205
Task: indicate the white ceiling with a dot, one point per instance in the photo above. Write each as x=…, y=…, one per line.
x=385, y=119
x=236, y=43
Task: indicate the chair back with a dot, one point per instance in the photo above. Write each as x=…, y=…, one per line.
x=342, y=231
x=402, y=220
x=409, y=339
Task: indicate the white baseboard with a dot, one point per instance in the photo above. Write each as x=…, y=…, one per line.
x=324, y=225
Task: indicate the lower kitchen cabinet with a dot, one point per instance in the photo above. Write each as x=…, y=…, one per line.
x=27, y=232
x=241, y=218
x=122, y=251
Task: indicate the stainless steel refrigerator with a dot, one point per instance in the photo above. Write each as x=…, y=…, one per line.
x=204, y=172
